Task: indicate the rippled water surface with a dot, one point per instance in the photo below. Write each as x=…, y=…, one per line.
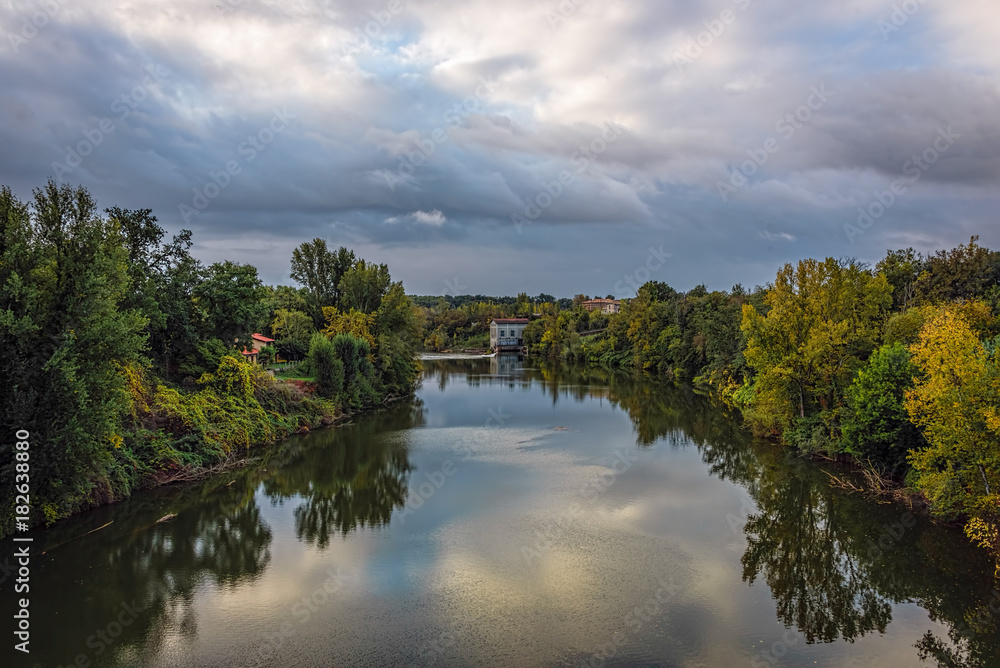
x=512, y=516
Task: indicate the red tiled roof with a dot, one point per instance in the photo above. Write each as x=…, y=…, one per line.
x=510, y=321
x=261, y=337
x=249, y=352
x=602, y=301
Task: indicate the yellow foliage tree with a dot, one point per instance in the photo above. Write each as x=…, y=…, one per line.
x=955, y=402
x=823, y=319
x=353, y=322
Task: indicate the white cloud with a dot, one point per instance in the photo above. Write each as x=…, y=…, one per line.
x=434, y=218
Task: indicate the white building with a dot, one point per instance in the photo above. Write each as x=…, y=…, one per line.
x=507, y=333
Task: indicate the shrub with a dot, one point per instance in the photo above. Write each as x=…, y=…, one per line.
x=329, y=370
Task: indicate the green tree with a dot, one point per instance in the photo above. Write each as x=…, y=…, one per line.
x=231, y=300
x=902, y=268
x=287, y=298
x=824, y=319
x=65, y=339
x=292, y=325
x=877, y=428
x=321, y=270
x=353, y=352
x=329, y=370
x=396, y=338
x=162, y=279
x=363, y=286
x=966, y=272
x=523, y=306
x=181, y=333
x=266, y=355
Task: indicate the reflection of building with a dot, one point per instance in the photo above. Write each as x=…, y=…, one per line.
x=507, y=334
x=504, y=364
x=605, y=305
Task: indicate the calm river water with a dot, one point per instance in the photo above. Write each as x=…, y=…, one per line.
x=511, y=516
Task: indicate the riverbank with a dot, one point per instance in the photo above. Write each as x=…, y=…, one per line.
x=177, y=435
x=865, y=481
x=440, y=533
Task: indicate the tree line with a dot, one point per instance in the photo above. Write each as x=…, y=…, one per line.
x=123, y=353
x=896, y=365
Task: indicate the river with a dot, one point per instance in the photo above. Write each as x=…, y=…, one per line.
x=513, y=516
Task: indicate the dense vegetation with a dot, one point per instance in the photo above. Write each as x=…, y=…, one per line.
x=896, y=366
x=827, y=557
x=122, y=352
x=458, y=323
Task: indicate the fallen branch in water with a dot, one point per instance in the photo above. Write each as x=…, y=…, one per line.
x=72, y=539
x=193, y=474
x=878, y=488
x=840, y=483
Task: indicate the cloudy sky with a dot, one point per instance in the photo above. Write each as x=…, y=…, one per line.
x=528, y=145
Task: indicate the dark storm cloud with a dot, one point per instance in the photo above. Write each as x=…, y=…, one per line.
x=420, y=133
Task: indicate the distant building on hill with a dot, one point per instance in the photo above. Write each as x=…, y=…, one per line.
x=605, y=305
x=507, y=334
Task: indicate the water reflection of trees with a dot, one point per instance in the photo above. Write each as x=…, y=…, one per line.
x=347, y=478
x=344, y=478
x=817, y=548
x=217, y=537
x=796, y=543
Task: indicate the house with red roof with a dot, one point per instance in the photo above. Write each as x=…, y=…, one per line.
x=257, y=341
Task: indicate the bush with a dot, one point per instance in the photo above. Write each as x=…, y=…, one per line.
x=328, y=369
x=266, y=355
